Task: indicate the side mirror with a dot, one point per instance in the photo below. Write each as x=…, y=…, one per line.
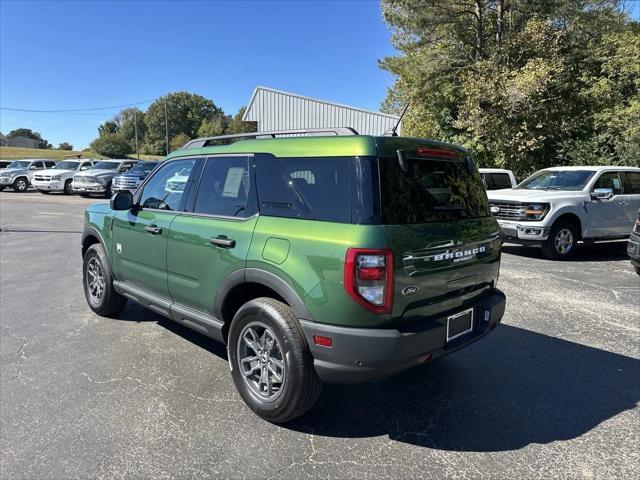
x=33, y=167
x=82, y=169
x=602, y=193
x=122, y=201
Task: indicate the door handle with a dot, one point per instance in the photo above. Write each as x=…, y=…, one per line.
x=222, y=242
x=153, y=229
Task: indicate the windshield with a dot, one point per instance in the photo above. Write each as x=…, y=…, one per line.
x=18, y=164
x=106, y=166
x=557, y=180
x=430, y=191
x=67, y=165
x=143, y=167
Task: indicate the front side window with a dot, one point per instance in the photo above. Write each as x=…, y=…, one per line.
x=609, y=180
x=165, y=189
x=224, y=187
x=430, y=191
x=18, y=164
x=573, y=180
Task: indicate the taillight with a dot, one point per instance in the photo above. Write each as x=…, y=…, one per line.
x=368, y=278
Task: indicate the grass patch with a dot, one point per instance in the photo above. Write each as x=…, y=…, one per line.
x=16, y=153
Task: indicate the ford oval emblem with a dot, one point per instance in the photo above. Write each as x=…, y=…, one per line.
x=495, y=210
x=410, y=290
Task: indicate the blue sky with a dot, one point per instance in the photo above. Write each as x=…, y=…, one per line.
x=64, y=55
x=84, y=54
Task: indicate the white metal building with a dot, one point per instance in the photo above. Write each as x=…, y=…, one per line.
x=272, y=110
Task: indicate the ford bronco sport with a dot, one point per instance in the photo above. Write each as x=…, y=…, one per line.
x=339, y=258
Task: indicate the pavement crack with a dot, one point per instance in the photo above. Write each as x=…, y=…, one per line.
x=21, y=355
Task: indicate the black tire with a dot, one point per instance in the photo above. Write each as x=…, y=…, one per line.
x=67, y=190
x=301, y=387
x=1, y=189
x=109, y=302
x=562, y=242
x=107, y=191
x=637, y=269
x=21, y=184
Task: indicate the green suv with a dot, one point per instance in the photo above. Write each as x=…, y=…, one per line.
x=315, y=256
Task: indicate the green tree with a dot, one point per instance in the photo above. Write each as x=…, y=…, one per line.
x=178, y=141
x=185, y=113
x=65, y=146
x=27, y=132
x=236, y=125
x=127, y=127
x=212, y=127
x=111, y=145
x=524, y=84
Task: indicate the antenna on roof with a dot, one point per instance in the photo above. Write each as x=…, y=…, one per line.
x=394, y=133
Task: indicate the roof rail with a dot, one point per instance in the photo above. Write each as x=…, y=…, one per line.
x=203, y=142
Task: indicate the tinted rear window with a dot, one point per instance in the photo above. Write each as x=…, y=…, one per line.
x=430, y=191
x=496, y=181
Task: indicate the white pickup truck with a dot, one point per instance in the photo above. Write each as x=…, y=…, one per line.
x=59, y=178
x=555, y=208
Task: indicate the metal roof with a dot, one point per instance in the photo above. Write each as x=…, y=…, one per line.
x=277, y=110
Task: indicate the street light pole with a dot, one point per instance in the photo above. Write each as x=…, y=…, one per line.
x=135, y=125
x=166, y=126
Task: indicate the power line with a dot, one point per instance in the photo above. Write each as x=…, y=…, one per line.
x=72, y=110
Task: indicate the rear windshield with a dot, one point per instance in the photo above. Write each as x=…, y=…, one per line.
x=432, y=190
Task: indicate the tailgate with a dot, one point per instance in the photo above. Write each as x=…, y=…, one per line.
x=440, y=266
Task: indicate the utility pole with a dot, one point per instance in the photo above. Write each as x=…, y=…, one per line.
x=166, y=125
x=135, y=125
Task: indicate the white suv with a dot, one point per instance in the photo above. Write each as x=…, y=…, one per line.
x=497, y=178
x=556, y=207
x=59, y=179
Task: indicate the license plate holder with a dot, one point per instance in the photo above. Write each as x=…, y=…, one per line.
x=459, y=324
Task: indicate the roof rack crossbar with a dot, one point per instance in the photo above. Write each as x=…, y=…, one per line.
x=205, y=141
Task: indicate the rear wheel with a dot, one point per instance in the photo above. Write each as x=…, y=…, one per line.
x=21, y=184
x=271, y=365
x=98, y=283
x=562, y=241
x=68, y=190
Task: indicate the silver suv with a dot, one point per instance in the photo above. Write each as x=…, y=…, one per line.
x=557, y=207
x=19, y=173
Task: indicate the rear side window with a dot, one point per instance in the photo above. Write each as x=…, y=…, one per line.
x=632, y=186
x=317, y=188
x=430, y=191
x=225, y=187
x=496, y=181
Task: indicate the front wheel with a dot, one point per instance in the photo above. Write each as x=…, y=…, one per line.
x=21, y=184
x=98, y=283
x=107, y=191
x=68, y=189
x=270, y=362
x=562, y=241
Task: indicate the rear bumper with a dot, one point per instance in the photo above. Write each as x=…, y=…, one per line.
x=367, y=354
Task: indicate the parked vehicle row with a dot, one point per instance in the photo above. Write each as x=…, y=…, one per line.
x=82, y=176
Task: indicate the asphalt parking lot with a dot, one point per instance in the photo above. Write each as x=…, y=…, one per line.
x=553, y=392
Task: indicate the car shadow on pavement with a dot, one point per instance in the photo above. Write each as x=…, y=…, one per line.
x=599, y=252
x=512, y=389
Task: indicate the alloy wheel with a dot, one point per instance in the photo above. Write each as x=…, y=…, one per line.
x=261, y=361
x=95, y=280
x=564, y=241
